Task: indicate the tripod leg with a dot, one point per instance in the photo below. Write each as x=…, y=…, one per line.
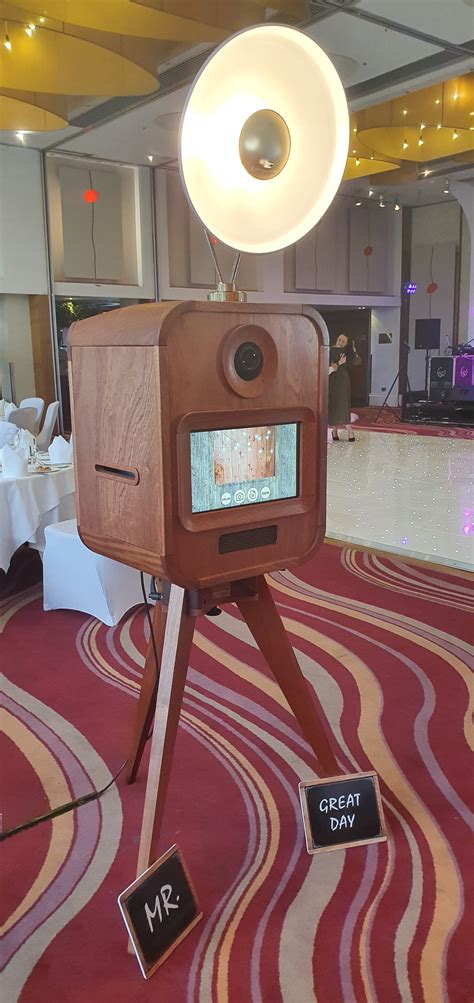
x=147, y=699
x=264, y=622
x=174, y=664
x=379, y=412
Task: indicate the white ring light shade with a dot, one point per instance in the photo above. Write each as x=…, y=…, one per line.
x=268, y=67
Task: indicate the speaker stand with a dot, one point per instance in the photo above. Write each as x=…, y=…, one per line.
x=427, y=372
x=174, y=620
x=387, y=406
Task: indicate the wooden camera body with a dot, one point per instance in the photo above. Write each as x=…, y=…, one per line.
x=200, y=437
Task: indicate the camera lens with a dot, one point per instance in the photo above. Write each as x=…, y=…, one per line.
x=248, y=361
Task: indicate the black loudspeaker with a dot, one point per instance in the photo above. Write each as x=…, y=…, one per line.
x=441, y=377
x=463, y=387
x=427, y=334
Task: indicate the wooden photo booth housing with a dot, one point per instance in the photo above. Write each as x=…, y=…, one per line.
x=200, y=457
x=200, y=437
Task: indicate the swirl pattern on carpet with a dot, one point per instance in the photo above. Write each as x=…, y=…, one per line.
x=384, y=644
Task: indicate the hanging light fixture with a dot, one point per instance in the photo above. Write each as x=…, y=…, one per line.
x=381, y=202
x=446, y=189
x=397, y=206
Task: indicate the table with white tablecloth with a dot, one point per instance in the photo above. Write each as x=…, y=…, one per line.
x=28, y=504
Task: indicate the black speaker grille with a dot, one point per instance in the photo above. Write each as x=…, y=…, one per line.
x=246, y=539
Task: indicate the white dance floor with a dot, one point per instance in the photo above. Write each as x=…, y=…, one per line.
x=412, y=494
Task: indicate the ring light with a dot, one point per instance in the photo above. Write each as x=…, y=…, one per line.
x=264, y=139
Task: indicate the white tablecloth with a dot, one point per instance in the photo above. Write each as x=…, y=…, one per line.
x=28, y=504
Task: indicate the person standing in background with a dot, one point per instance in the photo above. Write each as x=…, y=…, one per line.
x=341, y=356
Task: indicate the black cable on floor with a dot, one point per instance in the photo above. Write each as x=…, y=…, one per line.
x=62, y=809
x=93, y=795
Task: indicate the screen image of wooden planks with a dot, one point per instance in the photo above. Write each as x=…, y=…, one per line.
x=243, y=454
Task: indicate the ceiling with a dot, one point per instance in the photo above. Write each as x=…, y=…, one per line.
x=382, y=51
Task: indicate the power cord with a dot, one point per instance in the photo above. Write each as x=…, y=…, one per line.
x=154, y=595
x=94, y=795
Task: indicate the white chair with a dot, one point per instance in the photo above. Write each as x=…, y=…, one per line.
x=24, y=417
x=8, y=431
x=38, y=404
x=44, y=437
x=74, y=577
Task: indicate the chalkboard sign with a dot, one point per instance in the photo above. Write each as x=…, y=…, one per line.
x=342, y=811
x=160, y=908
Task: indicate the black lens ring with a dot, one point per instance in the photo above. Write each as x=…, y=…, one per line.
x=248, y=361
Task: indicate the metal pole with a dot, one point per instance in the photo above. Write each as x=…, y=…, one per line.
x=214, y=258
x=51, y=297
x=154, y=233
x=235, y=268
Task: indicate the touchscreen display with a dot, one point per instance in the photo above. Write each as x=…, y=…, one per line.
x=243, y=466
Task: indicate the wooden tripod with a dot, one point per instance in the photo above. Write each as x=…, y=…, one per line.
x=173, y=625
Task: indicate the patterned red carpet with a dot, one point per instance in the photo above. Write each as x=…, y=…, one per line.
x=388, y=421
x=385, y=644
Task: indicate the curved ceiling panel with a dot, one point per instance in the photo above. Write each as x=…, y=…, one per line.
x=55, y=63
x=124, y=18
x=24, y=116
x=414, y=143
x=361, y=167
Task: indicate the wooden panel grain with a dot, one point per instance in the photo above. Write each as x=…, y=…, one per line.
x=42, y=349
x=116, y=393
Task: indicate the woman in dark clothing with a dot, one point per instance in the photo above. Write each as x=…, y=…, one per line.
x=341, y=355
